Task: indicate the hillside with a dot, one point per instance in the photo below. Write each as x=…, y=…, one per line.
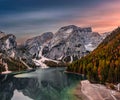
x=101, y=65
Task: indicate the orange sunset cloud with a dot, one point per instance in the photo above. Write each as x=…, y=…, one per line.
x=102, y=18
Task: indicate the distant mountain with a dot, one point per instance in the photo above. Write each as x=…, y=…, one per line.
x=8, y=62
x=34, y=44
x=71, y=42
x=102, y=64
x=2, y=34
x=8, y=44
x=104, y=35
x=68, y=44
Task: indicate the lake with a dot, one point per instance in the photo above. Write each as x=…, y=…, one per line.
x=42, y=84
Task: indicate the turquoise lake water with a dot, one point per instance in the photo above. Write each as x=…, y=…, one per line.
x=42, y=84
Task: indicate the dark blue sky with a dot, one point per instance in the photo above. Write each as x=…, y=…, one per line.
x=16, y=6
x=32, y=17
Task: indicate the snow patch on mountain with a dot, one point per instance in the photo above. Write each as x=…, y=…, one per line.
x=7, y=44
x=69, y=30
x=71, y=59
x=89, y=47
x=42, y=59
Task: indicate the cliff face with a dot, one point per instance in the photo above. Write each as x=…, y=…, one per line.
x=72, y=42
x=8, y=60
x=68, y=44
x=33, y=45
x=8, y=44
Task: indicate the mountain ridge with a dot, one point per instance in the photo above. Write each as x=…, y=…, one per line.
x=68, y=44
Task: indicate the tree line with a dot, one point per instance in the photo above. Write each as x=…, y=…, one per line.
x=103, y=64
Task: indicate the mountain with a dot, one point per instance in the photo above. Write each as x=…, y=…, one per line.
x=8, y=60
x=68, y=44
x=101, y=65
x=33, y=45
x=72, y=42
x=15, y=57
x=104, y=35
x=2, y=34
x=8, y=44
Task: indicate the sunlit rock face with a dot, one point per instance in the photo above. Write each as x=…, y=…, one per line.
x=8, y=59
x=8, y=44
x=33, y=45
x=70, y=43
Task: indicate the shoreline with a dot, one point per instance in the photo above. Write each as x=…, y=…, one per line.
x=88, y=91
x=78, y=93
x=73, y=73
x=16, y=73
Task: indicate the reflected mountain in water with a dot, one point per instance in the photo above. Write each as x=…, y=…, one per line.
x=47, y=84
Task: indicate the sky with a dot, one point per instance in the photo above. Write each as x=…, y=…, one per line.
x=29, y=18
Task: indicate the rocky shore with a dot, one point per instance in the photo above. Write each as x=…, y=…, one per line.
x=87, y=91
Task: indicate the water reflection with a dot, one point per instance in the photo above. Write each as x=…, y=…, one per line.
x=49, y=84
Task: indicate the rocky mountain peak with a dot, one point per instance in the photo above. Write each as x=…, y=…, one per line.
x=2, y=34
x=8, y=42
x=72, y=28
x=71, y=42
x=85, y=29
x=40, y=39
x=33, y=45
x=67, y=29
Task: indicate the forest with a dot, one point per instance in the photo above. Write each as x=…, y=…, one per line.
x=103, y=64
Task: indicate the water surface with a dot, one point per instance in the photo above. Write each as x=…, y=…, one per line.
x=43, y=84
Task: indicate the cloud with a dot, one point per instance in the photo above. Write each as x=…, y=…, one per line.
x=103, y=18
x=39, y=16
x=34, y=21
